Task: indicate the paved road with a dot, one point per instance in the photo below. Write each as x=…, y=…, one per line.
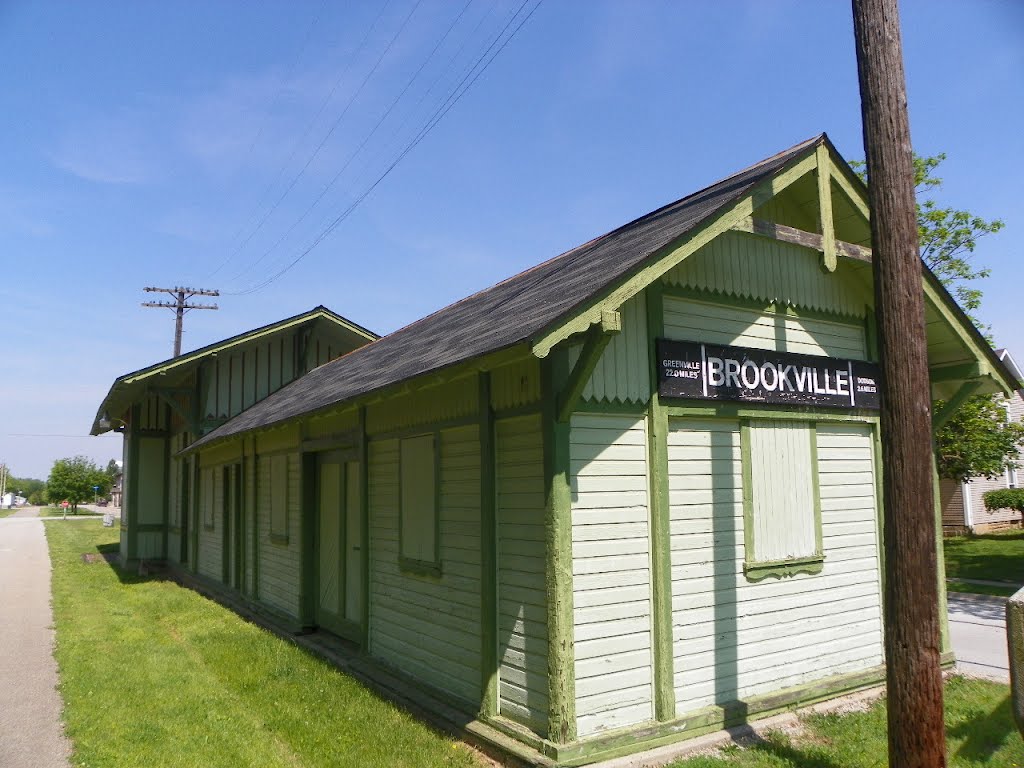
x=977, y=627
x=31, y=735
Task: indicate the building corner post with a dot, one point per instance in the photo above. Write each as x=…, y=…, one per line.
x=558, y=560
x=488, y=552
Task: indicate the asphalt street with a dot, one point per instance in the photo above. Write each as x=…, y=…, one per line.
x=31, y=734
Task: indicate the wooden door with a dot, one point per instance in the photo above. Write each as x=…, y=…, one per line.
x=338, y=561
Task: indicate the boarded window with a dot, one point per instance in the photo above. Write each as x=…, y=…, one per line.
x=781, y=507
x=418, y=503
x=206, y=483
x=279, y=499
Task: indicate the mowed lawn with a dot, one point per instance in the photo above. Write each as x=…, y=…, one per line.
x=155, y=675
x=987, y=556
x=979, y=732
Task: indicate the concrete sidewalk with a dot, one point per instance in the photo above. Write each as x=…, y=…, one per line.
x=977, y=629
x=31, y=732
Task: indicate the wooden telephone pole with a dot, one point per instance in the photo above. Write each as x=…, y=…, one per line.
x=912, y=635
x=180, y=305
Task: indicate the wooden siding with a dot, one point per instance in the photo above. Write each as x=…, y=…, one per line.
x=622, y=374
x=429, y=626
x=757, y=268
x=522, y=598
x=951, y=499
x=515, y=385
x=211, y=506
x=611, y=572
x=457, y=399
x=690, y=320
x=733, y=639
x=280, y=563
x=331, y=425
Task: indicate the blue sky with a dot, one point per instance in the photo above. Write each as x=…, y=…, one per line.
x=154, y=143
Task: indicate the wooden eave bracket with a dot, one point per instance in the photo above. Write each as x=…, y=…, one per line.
x=945, y=413
x=169, y=395
x=597, y=339
x=828, y=232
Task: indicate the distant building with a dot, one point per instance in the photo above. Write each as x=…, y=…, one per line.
x=963, y=504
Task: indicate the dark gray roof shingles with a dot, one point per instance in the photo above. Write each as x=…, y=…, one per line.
x=505, y=314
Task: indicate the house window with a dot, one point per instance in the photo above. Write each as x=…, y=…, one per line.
x=1011, y=477
x=279, y=498
x=418, y=535
x=781, y=505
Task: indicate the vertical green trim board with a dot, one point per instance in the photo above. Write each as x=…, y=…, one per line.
x=364, y=531
x=879, y=511
x=256, y=553
x=488, y=553
x=165, y=518
x=819, y=542
x=747, y=470
x=133, y=497
x=197, y=494
x=227, y=523
x=558, y=561
x=661, y=527
x=940, y=567
x=308, y=548
x=828, y=232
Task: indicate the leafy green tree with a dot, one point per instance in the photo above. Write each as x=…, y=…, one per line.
x=73, y=480
x=25, y=486
x=977, y=441
x=1005, y=498
x=947, y=236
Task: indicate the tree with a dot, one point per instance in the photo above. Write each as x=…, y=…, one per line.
x=74, y=480
x=947, y=236
x=977, y=441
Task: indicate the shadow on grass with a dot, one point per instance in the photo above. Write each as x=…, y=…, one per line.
x=111, y=554
x=985, y=733
x=778, y=745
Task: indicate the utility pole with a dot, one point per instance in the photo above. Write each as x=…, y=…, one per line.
x=180, y=305
x=912, y=639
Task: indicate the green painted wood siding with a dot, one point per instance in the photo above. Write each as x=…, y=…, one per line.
x=756, y=268
x=690, y=320
x=515, y=385
x=280, y=563
x=783, y=523
x=429, y=626
x=611, y=572
x=733, y=638
x=454, y=400
x=622, y=374
x=211, y=540
x=522, y=599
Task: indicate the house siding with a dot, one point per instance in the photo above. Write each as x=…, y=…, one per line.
x=732, y=638
x=611, y=572
x=424, y=625
x=280, y=563
x=522, y=598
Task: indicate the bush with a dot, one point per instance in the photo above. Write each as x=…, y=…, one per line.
x=1005, y=498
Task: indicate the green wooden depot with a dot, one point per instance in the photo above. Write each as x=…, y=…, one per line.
x=579, y=539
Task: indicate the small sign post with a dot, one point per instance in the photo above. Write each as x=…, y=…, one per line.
x=64, y=506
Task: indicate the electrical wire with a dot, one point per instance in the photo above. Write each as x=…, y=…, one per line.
x=454, y=97
x=364, y=142
x=334, y=127
x=301, y=140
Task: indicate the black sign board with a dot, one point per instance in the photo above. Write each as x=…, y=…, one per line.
x=712, y=372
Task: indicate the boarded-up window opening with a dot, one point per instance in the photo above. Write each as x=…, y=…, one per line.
x=418, y=505
x=279, y=499
x=781, y=505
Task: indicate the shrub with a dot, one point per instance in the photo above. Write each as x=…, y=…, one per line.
x=1005, y=498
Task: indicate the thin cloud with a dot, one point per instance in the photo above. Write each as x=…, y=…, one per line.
x=119, y=149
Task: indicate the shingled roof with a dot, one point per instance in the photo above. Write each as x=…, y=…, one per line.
x=513, y=311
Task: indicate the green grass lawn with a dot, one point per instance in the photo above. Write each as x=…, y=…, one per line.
x=979, y=730
x=155, y=675
x=988, y=556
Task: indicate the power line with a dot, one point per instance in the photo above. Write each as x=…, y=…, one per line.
x=362, y=145
x=454, y=97
x=334, y=126
x=302, y=138
x=180, y=305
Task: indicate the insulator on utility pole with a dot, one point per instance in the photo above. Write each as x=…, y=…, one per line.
x=180, y=305
x=912, y=620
